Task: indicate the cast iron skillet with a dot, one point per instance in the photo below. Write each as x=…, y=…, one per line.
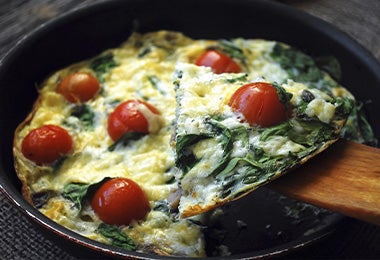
x=264, y=224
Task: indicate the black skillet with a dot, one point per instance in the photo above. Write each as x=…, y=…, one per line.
x=264, y=224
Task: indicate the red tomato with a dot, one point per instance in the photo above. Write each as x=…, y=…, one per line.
x=78, y=87
x=259, y=103
x=127, y=117
x=119, y=201
x=219, y=62
x=46, y=144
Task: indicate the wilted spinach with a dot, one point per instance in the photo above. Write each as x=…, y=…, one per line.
x=85, y=114
x=301, y=67
x=358, y=128
x=102, y=65
x=124, y=139
x=79, y=192
x=117, y=237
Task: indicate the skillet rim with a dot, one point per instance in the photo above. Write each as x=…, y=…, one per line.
x=15, y=197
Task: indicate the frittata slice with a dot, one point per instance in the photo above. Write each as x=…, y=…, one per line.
x=221, y=157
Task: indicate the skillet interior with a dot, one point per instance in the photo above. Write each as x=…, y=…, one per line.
x=85, y=32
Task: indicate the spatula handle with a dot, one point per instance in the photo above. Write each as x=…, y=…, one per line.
x=345, y=179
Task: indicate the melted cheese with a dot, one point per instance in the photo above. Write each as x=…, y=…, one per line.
x=147, y=66
x=201, y=94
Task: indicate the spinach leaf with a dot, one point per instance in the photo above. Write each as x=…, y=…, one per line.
x=124, y=139
x=343, y=108
x=225, y=137
x=300, y=67
x=155, y=81
x=283, y=96
x=331, y=65
x=281, y=129
x=237, y=78
x=310, y=132
x=78, y=192
x=305, y=132
x=185, y=159
x=56, y=165
x=228, y=170
x=117, y=237
x=232, y=50
x=144, y=52
x=102, y=65
x=85, y=114
x=358, y=128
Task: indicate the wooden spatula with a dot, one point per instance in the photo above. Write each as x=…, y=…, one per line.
x=345, y=179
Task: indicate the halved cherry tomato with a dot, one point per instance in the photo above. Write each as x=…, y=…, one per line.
x=127, y=117
x=259, y=103
x=218, y=61
x=119, y=201
x=78, y=87
x=46, y=144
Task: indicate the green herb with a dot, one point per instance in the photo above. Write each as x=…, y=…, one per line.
x=117, y=237
x=313, y=132
x=301, y=111
x=226, y=138
x=56, y=165
x=281, y=129
x=343, y=106
x=155, y=81
x=331, y=65
x=125, y=139
x=85, y=114
x=237, y=78
x=102, y=65
x=78, y=192
x=185, y=159
x=232, y=50
x=283, y=96
x=144, y=52
x=300, y=67
x=358, y=128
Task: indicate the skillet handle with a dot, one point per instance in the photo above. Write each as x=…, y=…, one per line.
x=345, y=179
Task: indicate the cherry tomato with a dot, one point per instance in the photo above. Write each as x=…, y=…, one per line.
x=219, y=62
x=259, y=103
x=46, y=144
x=78, y=87
x=119, y=201
x=127, y=117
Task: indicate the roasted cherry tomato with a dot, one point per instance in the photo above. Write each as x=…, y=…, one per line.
x=219, y=62
x=128, y=117
x=46, y=144
x=78, y=87
x=119, y=201
x=259, y=103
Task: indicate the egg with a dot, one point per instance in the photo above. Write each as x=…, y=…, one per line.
x=157, y=68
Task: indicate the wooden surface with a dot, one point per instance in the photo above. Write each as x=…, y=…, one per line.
x=345, y=179
x=351, y=240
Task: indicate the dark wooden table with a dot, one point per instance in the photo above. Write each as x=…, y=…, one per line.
x=351, y=240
